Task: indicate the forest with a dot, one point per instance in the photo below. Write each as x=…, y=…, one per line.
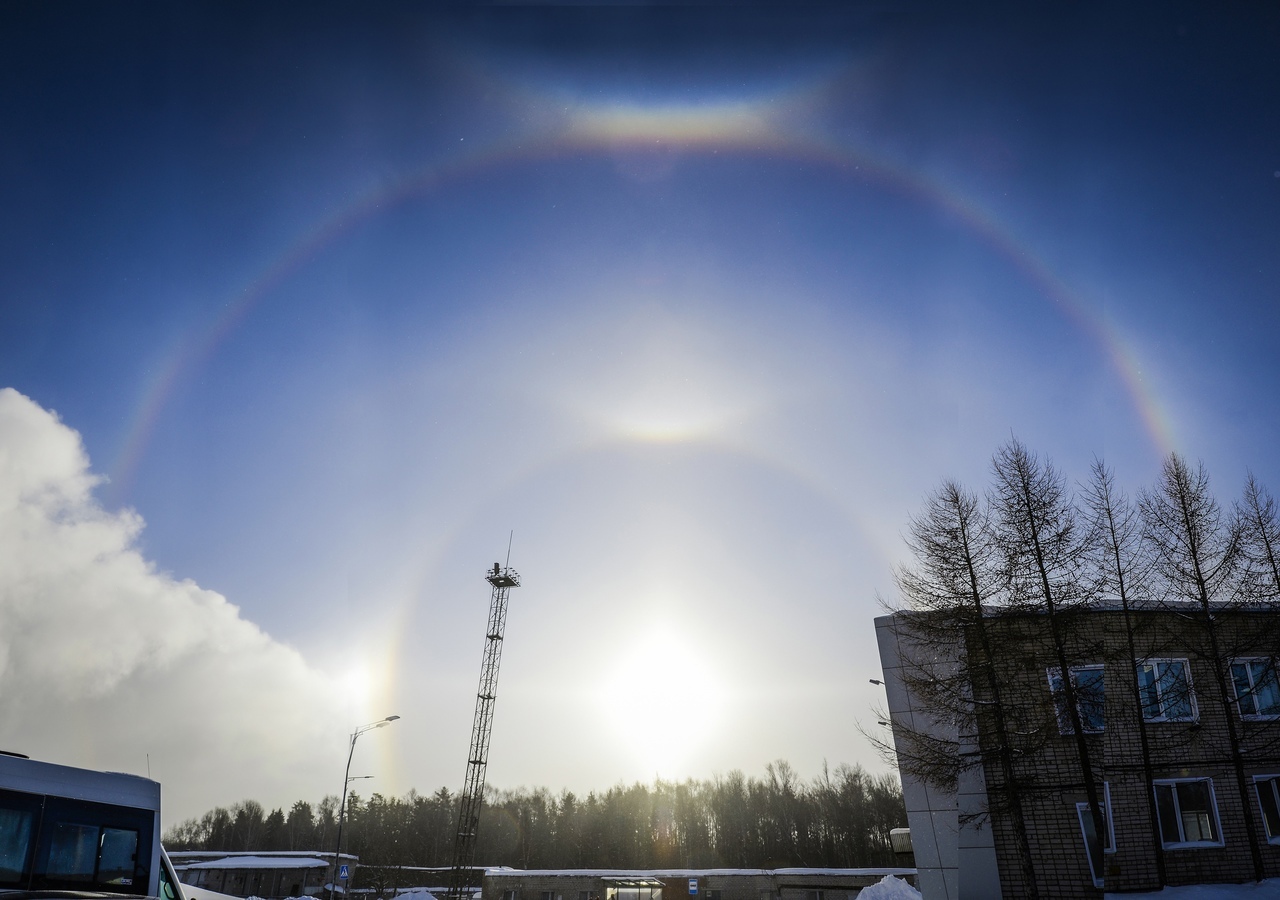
x=842, y=818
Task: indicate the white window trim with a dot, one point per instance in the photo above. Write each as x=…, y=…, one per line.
x=1253, y=717
x=1258, y=779
x=1191, y=691
x=1053, y=673
x=1213, y=800
x=1082, y=810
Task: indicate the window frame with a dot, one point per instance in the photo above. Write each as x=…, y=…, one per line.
x=1157, y=664
x=1184, y=844
x=1268, y=670
x=1059, y=697
x=1082, y=815
x=1274, y=782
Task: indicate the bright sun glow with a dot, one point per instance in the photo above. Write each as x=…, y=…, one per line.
x=663, y=699
x=661, y=378
x=718, y=123
x=670, y=409
x=356, y=687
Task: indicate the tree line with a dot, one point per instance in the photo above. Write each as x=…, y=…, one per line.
x=840, y=819
x=1010, y=574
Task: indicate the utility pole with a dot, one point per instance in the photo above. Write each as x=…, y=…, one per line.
x=501, y=580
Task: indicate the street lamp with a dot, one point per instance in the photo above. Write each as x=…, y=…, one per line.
x=347, y=779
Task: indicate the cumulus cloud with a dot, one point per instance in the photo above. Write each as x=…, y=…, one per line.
x=106, y=662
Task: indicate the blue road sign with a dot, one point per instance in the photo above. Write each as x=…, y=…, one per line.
x=693, y=887
x=344, y=872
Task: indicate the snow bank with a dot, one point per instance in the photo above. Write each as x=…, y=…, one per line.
x=1263, y=890
x=890, y=888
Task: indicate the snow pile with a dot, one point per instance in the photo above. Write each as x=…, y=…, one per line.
x=1263, y=890
x=890, y=888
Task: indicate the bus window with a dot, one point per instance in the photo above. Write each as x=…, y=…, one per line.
x=88, y=846
x=15, y=845
x=168, y=882
x=19, y=827
x=119, y=854
x=73, y=853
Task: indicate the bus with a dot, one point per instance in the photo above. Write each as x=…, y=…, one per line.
x=76, y=832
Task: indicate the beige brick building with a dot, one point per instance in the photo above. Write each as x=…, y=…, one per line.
x=1188, y=803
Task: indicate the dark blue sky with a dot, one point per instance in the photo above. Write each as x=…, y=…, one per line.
x=337, y=295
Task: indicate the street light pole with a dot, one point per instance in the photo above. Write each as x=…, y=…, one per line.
x=342, y=805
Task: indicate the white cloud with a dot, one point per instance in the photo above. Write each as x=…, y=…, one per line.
x=107, y=663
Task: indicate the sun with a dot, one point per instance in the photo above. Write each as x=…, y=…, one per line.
x=663, y=699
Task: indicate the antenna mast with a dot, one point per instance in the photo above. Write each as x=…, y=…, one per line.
x=501, y=580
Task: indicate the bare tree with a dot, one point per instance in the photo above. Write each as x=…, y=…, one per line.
x=1259, y=525
x=1116, y=548
x=956, y=580
x=1045, y=555
x=1198, y=554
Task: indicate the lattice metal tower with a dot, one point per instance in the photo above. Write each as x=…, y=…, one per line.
x=502, y=581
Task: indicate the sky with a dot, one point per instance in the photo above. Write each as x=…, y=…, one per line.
x=308, y=312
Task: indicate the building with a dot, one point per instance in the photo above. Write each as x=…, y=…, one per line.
x=683, y=884
x=1189, y=805
x=266, y=874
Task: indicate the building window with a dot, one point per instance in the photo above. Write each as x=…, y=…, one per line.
x=1257, y=693
x=548, y=895
x=813, y=895
x=510, y=895
x=1093, y=848
x=1268, y=788
x=1165, y=686
x=1188, y=813
x=1088, y=685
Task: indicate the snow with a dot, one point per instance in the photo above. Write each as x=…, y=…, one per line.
x=257, y=862
x=415, y=894
x=889, y=888
x=192, y=892
x=690, y=873
x=1262, y=890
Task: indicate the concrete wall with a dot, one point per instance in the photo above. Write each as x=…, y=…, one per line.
x=953, y=862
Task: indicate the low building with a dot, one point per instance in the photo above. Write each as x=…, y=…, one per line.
x=270, y=875
x=1201, y=804
x=683, y=884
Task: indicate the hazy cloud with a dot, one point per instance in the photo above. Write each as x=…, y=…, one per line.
x=106, y=661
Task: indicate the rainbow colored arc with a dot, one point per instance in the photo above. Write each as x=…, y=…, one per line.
x=732, y=128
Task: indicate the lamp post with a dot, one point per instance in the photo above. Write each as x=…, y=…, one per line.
x=342, y=805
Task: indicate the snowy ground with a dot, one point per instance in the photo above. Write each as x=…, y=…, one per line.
x=890, y=888
x=1265, y=890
